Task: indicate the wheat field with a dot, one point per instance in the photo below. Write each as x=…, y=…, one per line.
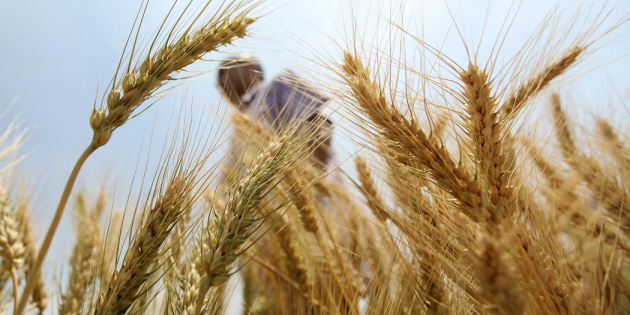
x=475, y=189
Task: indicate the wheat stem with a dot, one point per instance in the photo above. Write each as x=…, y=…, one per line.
x=33, y=277
x=14, y=279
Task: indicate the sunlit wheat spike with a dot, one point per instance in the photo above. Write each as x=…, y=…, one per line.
x=221, y=248
x=516, y=101
x=368, y=188
x=486, y=133
x=454, y=177
x=603, y=186
x=12, y=248
x=144, y=250
x=140, y=83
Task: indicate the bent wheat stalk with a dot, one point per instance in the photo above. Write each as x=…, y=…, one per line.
x=138, y=85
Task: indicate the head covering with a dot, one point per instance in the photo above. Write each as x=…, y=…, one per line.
x=237, y=75
x=239, y=60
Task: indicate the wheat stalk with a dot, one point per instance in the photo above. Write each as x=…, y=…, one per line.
x=221, y=249
x=604, y=188
x=137, y=86
x=447, y=173
x=144, y=250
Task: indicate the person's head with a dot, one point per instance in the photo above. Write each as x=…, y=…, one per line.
x=237, y=75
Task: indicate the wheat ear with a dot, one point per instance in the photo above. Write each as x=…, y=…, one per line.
x=155, y=70
x=12, y=248
x=497, y=279
x=448, y=174
x=40, y=295
x=303, y=198
x=221, y=248
x=565, y=199
x=288, y=241
x=616, y=147
x=138, y=85
x=515, y=103
x=604, y=188
x=191, y=289
x=144, y=250
x=485, y=131
x=368, y=188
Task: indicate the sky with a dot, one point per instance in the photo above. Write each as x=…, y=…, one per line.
x=56, y=55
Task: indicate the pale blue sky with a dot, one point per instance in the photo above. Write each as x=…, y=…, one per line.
x=55, y=54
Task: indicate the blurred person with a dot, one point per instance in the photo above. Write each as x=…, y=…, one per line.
x=285, y=101
x=288, y=101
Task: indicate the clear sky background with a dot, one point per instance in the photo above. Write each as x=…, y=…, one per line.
x=54, y=54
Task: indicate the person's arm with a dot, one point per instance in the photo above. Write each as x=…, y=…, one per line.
x=321, y=129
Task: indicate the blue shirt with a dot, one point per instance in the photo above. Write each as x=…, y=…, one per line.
x=287, y=99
